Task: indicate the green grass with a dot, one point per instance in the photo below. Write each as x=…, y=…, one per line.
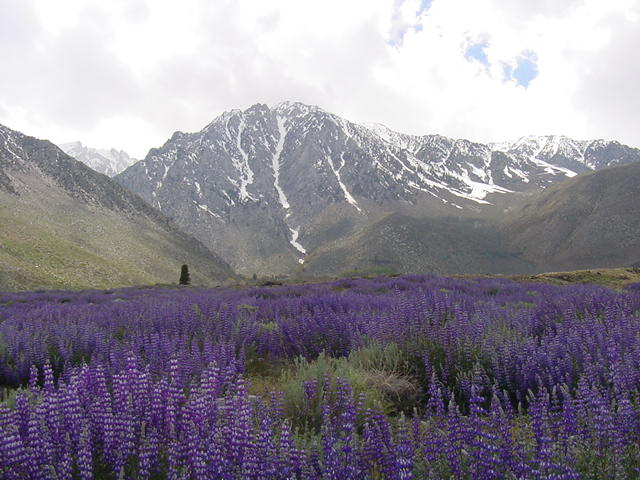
x=370, y=272
x=615, y=278
x=383, y=375
x=79, y=246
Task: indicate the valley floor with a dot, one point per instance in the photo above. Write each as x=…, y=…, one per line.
x=413, y=376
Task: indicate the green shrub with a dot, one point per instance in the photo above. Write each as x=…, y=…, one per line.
x=380, y=375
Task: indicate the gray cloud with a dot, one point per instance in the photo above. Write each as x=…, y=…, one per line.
x=84, y=81
x=129, y=73
x=608, y=88
x=68, y=78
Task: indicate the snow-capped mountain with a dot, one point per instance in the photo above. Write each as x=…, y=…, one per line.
x=267, y=186
x=102, y=160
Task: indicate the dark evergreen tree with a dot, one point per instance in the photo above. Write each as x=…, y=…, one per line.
x=184, y=275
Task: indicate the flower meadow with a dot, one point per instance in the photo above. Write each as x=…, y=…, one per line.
x=391, y=378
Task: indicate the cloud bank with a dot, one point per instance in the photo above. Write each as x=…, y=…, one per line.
x=127, y=73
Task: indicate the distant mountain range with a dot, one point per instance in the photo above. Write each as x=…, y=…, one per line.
x=102, y=160
x=62, y=225
x=280, y=189
x=294, y=190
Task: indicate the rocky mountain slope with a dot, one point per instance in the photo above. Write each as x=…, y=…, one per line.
x=402, y=243
x=270, y=187
x=588, y=222
x=63, y=225
x=102, y=160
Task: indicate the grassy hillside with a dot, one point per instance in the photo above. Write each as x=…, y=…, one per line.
x=63, y=225
x=616, y=278
x=404, y=244
x=53, y=241
x=590, y=221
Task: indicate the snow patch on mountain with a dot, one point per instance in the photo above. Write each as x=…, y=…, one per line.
x=275, y=162
x=242, y=164
x=205, y=208
x=10, y=140
x=295, y=232
x=336, y=171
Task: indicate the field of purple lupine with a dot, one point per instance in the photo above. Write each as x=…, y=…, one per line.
x=394, y=378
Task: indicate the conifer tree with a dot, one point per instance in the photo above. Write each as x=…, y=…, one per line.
x=184, y=275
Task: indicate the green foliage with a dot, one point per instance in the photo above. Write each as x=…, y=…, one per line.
x=269, y=327
x=594, y=464
x=8, y=397
x=120, y=333
x=616, y=278
x=371, y=272
x=248, y=308
x=381, y=374
x=185, y=279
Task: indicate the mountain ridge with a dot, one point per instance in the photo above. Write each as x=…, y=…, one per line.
x=566, y=224
x=67, y=226
x=267, y=186
x=107, y=161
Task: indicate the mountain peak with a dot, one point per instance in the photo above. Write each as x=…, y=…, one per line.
x=267, y=185
x=286, y=104
x=109, y=162
x=284, y=108
x=6, y=131
x=69, y=145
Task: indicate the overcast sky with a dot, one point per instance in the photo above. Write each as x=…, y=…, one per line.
x=128, y=73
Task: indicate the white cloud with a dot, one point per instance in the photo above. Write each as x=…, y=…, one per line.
x=127, y=73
